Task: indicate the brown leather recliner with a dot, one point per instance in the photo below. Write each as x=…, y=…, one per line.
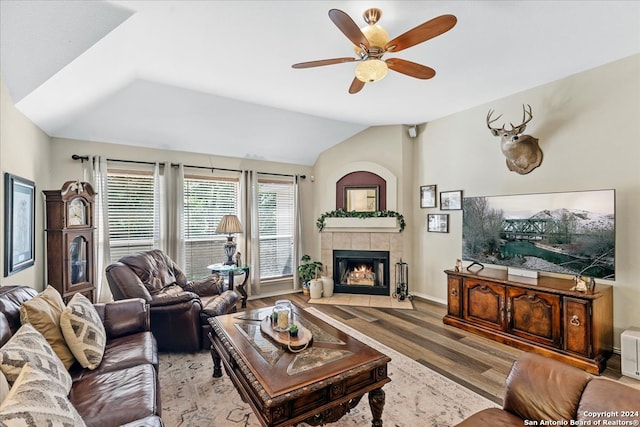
x=179, y=308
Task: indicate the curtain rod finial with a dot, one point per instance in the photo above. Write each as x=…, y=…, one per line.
x=81, y=158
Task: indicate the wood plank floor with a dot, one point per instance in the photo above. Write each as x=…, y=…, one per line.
x=475, y=362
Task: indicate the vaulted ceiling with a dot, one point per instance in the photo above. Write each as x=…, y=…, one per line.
x=215, y=77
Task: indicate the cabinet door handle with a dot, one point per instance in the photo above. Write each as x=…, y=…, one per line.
x=509, y=310
x=575, y=320
x=501, y=309
x=454, y=292
x=533, y=298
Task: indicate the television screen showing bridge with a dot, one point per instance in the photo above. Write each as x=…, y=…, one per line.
x=570, y=233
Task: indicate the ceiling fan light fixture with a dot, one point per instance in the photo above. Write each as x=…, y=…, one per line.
x=371, y=70
x=376, y=36
x=372, y=42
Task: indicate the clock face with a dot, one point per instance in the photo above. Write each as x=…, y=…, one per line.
x=77, y=212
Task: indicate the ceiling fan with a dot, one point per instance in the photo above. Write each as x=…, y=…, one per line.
x=372, y=42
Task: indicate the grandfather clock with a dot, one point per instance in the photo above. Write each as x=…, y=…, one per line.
x=70, y=262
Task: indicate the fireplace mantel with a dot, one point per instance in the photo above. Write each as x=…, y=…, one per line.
x=361, y=225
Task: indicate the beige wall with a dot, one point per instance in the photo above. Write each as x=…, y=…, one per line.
x=589, y=130
x=24, y=151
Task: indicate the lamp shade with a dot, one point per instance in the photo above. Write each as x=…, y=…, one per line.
x=376, y=36
x=371, y=70
x=229, y=224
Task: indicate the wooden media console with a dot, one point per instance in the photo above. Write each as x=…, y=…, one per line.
x=542, y=315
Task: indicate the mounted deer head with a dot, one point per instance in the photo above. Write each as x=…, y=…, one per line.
x=522, y=151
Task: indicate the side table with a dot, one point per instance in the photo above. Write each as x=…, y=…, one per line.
x=231, y=271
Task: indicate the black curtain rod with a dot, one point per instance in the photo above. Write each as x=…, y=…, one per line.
x=281, y=174
x=86, y=158
x=235, y=170
x=83, y=158
x=211, y=168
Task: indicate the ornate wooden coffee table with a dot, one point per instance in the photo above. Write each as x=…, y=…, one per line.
x=318, y=385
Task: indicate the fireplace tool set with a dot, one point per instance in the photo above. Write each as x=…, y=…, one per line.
x=402, y=285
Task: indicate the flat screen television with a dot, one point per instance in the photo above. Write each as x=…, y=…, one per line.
x=568, y=233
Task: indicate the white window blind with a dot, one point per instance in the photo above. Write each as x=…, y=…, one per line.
x=275, y=226
x=206, y=200
x=130, y=205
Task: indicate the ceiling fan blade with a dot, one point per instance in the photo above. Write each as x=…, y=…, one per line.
x=409, y=68
x=423, y=32
x=356, y=85
x=349, y=28
x=323, y=62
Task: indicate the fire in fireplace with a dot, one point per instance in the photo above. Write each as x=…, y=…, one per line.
x=360, y=275
x=361, y=272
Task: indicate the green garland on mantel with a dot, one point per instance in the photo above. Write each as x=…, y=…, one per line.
x=341, y=213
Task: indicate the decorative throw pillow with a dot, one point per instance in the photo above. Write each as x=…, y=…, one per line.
x=28, y=346
x=43, y=312
x=84, y=332
x=4, y=387
x=35, y=400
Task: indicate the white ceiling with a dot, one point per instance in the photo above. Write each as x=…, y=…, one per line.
x=215, y=77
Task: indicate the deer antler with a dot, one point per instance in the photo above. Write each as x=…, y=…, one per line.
x=515, y=130
x=489, y=121
x=521, y=127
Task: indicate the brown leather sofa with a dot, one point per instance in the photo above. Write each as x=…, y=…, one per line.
x=124, y=388
x=179, y=308
x=543, y=391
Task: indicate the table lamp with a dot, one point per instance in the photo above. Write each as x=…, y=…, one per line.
x=229, y=224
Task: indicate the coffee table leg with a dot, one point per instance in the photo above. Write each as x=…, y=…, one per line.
x=376, y=402
x=217, y=369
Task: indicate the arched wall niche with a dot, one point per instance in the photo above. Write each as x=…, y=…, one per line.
x=391, y=186
x=361, y=179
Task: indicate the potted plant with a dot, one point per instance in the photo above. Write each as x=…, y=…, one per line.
x=293, y=331
x=308, y=270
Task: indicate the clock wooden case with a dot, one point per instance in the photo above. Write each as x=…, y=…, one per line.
x=70, y=229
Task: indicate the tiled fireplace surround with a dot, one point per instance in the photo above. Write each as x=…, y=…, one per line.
x=356, y=240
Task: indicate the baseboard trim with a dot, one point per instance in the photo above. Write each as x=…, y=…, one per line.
x=429, y=298
x=274, y=294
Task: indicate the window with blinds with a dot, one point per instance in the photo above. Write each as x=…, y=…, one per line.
x=275, y=226
x=206, y=200
x=130, y=206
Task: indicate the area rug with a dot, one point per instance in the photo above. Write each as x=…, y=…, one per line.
x=377, y=301
x=415, y=396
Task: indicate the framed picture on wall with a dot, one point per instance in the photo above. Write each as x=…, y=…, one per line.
x=428, y=196
x=19, y=223
x=451, y=200
x=438, y=223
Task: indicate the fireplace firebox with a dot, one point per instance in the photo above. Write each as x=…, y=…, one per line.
x=361, y=272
